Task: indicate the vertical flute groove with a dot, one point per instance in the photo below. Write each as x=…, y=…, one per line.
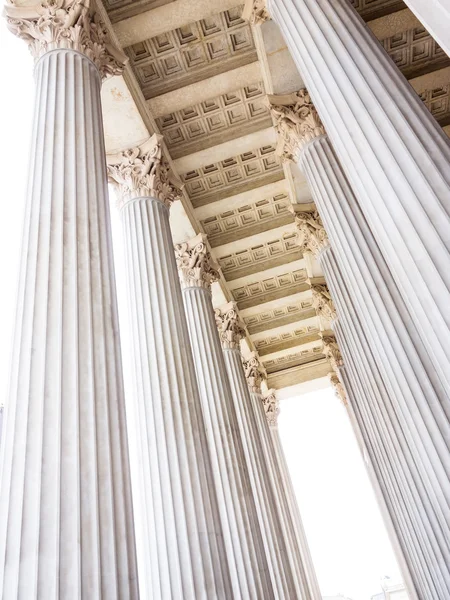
x=67, y=529
x=282, y=576
x=407, y=410
x=183, y=554
x=243, y=540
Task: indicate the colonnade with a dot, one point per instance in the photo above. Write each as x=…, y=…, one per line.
x=217, y=514
x=377, y=164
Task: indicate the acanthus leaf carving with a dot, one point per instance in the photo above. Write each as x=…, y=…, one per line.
x=256, y=12
x=271, y=408
x=65, y=24
x=323, y=302
x=332, y=352
x=312, y=236
x=144, y=172
x=195, y=264
x=338, y=387
x=296, y=121
x=254, y=372
x=230, y=326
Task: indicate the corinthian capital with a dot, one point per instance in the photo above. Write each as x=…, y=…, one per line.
x=296, y=121
x=256, y=12
x=312, y=235
x=195, y=264
x=338, y=387
x=332, y=352
x=254, y=372
x=143, y=172
x=71, y=24
x=323, y=302
x=271, y=408
x=231, y=328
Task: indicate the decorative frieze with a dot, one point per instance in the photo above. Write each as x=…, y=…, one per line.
x=231, y=328
x=271, y=288
x=271, y=407
x=65, y=24
x=323, y=302
x=143, y=172
x=254, y=372
x=288, y=339
x=279, y=316
x=312, y=236
x=256, y=12
x=196, y=267
x=296, y=121
x=294, y=359
x=332, y=352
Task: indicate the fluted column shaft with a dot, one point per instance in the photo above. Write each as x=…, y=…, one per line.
x=287, y=486
x=413, y=401
x=435, y=17
x=393, y=151
x=287, y=519
x=67, y=524
x=184, y=553
x=276, y=550
x=241, y=528
x=384, y=439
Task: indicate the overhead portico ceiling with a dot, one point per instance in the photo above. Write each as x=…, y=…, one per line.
x=203, y=75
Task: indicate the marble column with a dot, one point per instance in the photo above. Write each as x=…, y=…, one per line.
x=240, y=525
x=66, y=529
x=414, y=399
x=271, y=410
x=182, y=552
x=435, y=17
x=393, y=151
x=231, y=330
x=255, y=373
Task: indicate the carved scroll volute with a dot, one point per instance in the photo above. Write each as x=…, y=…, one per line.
x=143, y=172
x=195, y=264
x=229, y=325
x=65, y=24
x=296, y=121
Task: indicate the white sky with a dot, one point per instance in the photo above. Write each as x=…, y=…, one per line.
x=347, y=539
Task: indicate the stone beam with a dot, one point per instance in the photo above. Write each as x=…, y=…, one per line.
x=205, y=90
x=197, y=160
x=269, y=273
x=304, y=299
x=254, y=240
x=293, y=350
x=239, y=200
x=300, y=374
x=311, y=322
x=167, y=18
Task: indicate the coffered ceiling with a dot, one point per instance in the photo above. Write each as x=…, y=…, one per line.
x=199, y=74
